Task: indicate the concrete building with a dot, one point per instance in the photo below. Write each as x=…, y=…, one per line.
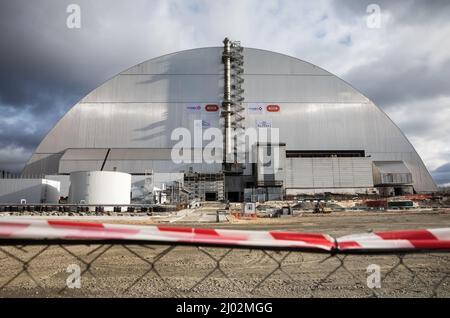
x=331, y=137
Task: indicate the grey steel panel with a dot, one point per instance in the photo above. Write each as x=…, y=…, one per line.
x=142, y=166
x=299, y=89
x=362, y=171
x=328, y=173
x=322, y=173
x=335, y=167
x=334, y=126
x=140, y=154
x=40, y=164
x=391, y=167
x=346, y=175
x=299, y=175
x=208, y=61
x=392, y=172
x=68, y=166
x=118, y=125
x=158, y=88
x=84, y=154
x=421, y=178
x=258, y=61
x=196, y=61
x=156, y=154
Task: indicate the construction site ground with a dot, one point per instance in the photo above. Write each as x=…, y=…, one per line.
x=185, y=270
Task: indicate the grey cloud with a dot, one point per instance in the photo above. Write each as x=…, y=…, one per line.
x=390, y=81
x=400, y=75
x=442, y=174
x=414, y=12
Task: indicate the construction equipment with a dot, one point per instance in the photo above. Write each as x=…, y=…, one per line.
x=320, y=207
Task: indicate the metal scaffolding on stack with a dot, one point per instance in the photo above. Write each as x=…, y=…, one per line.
x=232, y=108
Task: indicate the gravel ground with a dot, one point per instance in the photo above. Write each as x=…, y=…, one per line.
x=161, y=271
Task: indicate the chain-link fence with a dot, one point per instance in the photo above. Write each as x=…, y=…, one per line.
x=127, y=270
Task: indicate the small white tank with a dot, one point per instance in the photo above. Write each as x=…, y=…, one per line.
x=100, y=187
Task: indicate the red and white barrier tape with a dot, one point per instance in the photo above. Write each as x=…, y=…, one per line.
x=26, y=229
x=435, y=239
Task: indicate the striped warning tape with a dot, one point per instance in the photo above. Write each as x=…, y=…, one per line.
x=69, y=231
x=435, y=239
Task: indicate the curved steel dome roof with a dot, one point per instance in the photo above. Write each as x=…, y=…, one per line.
x=140, y=107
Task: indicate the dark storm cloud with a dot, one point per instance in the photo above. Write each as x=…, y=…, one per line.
x=40, y=55
x=46, y=67
x=35, y=88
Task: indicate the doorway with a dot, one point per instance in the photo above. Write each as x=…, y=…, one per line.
x=233, y=196
x=210, y=196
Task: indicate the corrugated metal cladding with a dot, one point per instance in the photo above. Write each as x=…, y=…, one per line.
x=140, y=108
x=271, y=164
x=328, y=173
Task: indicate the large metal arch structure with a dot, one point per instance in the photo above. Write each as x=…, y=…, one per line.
x=125, y=124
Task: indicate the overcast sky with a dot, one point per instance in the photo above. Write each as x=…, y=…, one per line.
x=403, y=66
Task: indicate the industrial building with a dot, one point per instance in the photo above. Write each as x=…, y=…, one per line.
x=331, y=137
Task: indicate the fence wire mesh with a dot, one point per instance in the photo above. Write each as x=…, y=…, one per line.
x=118, y=270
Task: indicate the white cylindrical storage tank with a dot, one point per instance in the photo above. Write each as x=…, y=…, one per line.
x=100, y=187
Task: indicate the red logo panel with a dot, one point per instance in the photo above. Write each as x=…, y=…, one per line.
x=211, y=108
x=273, y=108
